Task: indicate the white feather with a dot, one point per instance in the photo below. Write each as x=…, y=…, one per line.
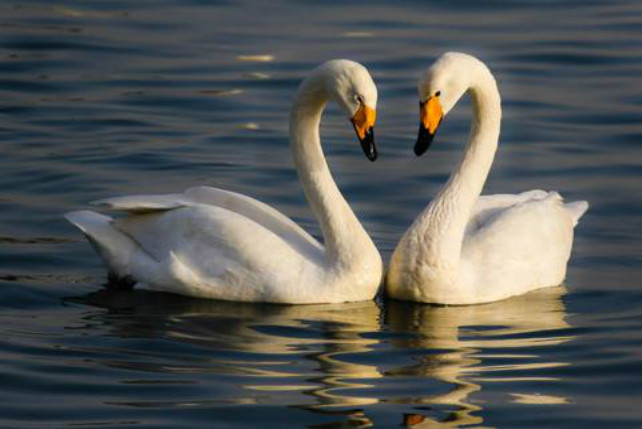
x=211, y=243
x=467, y=249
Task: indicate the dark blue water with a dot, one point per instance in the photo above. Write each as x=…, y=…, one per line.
x=109, y=98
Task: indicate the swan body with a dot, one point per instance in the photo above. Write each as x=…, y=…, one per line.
x=467, y=249
x=212, y=243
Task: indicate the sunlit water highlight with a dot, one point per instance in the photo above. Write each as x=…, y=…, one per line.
x=111, y=98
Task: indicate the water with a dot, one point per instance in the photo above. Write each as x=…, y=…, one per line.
x=110, y=98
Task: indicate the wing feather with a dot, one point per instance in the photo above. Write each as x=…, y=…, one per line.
x=261, y=213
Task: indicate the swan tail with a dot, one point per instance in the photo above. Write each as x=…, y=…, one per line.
x=113, y=246
x=577, y=210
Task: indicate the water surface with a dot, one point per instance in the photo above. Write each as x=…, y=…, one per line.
x=110, y=98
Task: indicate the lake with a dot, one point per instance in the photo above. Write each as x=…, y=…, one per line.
x=109, y=98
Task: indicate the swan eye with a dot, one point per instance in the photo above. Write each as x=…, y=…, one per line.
x=358, y=99
x=437, y=94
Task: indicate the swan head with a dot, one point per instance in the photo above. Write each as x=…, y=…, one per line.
x=440, y=88
x=350, y=85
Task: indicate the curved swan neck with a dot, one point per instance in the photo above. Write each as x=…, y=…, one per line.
x=448, y=215
x=342, y=232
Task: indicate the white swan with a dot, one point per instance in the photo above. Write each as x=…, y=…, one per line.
x=467, y=249
x=217, y=244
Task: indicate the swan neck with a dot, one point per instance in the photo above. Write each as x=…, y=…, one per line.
x=451, y=211
x=342, y=232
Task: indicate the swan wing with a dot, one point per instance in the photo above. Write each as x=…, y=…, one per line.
x=141, y=204
x=205, y=251
x=243, y=205
x=521, y=244
x=488, y=207
x=253, y=209
x=515, y=219
x=209, y=251
x=116, y=248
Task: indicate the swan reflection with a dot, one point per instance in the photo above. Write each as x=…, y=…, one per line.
x=463, y=342
x=341, y=360
x=282, y=353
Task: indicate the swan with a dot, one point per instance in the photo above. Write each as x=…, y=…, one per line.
x=212, y=243
x=467, y=249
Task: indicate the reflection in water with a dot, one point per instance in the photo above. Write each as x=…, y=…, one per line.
x=102, y=97
x=277, y=354
x=257, y=341
x=463, y=340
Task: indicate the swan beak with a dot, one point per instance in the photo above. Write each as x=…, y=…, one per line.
x=363, y=122
x=430, y=116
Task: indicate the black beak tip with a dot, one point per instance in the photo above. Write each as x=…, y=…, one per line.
x=372, y=156
x=368, y=145
x=419, y=149
x=424, y=140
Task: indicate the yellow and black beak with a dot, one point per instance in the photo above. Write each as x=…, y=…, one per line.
x=430, y=116
x=363, y=122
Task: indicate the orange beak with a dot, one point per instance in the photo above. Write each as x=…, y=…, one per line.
x=430, y=116
x=363, y=122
